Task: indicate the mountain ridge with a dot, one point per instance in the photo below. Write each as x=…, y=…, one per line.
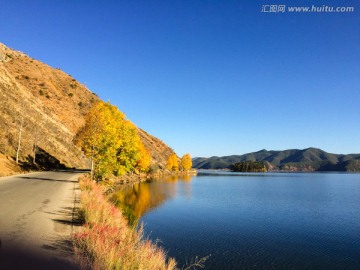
x=309, y=159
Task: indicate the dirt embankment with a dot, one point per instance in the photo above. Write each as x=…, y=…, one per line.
x=8, y=166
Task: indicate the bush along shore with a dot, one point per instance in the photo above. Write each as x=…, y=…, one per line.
x=134, y=178
x=108, y=242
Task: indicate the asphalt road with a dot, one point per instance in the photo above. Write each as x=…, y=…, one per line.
x=37, y=219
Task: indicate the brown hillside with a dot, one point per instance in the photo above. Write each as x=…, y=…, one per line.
x=53, y=106
x=159, y=151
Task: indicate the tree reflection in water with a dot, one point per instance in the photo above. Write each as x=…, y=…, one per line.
x=136, y=199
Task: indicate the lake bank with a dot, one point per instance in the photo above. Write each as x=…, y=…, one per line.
x=108, y=242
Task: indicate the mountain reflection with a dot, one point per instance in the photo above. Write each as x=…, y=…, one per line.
x=136, y=199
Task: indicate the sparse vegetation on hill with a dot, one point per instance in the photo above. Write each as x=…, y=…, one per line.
x=34, y=94
x=52, y=107
x=158, y=150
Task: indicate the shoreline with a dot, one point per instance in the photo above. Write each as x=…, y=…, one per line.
x=106, y=241
x=142, y=177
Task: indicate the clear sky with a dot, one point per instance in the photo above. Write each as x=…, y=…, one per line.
x=207, y=77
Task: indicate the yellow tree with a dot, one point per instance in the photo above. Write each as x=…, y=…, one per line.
x=100, y=138
x=143, y=162
x=186, y=162
x=172, y=163
x=112, y=142
x=129, y=151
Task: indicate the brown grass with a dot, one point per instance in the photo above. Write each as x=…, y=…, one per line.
x=107, y=240
x=60, y=104
x=8, y=166
x=40, y=94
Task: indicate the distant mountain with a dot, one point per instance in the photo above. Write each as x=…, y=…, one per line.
x=310, y=159
x=53, y=106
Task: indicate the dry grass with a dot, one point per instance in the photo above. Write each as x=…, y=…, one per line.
x=8, y=166
x=25, y=85
x=107, y=240
x=60, y=104
x=159, y=151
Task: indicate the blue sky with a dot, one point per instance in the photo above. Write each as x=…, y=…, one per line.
x=207, y=77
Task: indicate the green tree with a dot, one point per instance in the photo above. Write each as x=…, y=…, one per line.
x=249, y=166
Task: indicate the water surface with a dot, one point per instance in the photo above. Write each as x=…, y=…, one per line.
x=253, y=221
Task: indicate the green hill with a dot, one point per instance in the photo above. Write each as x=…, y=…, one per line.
x=310, y=159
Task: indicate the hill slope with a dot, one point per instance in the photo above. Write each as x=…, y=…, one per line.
x=310, y=159
x=52, y=105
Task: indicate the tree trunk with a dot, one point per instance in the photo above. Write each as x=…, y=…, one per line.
x=92, y=163
x=34, y=153
x=92, y=169
x=35, y=144
x=19, y=140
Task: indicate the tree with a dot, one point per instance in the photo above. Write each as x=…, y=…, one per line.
x=36, y=133
x=21, y=123
x=111, y=142
x=100, y=138
x=172, y=163
x=21, y=113
x=186, y=162
x=128, y=150
x=249, y=166
x=144, y=159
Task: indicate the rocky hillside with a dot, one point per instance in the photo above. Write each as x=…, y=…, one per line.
x=51, y=105
x=310, y=159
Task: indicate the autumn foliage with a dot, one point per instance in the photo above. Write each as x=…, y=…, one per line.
x=186, y=162
x=172, y=163
x=111, y=142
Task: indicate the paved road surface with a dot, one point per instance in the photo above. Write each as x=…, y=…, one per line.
x=37, y=219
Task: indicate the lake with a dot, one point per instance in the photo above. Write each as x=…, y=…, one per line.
x=252, y=221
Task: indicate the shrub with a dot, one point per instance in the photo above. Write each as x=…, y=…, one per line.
x=153, y=168
x=41, y=92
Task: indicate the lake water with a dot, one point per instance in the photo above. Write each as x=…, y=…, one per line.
x=253, y=221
